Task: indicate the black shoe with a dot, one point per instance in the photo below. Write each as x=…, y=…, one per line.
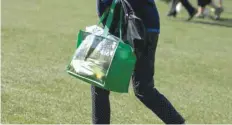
x=192, y=15
x=173, y=14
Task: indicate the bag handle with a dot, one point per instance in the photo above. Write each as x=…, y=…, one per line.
x=103, y=16
x=109, y=18
x=126, y=5
x=109, y=15
x=120, y=22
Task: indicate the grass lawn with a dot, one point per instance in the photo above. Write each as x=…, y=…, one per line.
x=193, y=66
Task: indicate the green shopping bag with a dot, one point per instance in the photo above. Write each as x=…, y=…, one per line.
x=103, y=60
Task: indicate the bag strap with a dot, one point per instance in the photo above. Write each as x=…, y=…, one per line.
x=127, y=7
x=109, y=18
x=120, y=22
x=104, y=16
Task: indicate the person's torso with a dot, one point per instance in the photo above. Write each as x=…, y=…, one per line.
x=145, y=9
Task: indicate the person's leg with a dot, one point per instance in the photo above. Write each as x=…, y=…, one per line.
x=200, y=12
x=218, y=9
x=100, y=97
x=188, y=6
x=172, y=11
x=220, y=3
x=213, y=4
x=201, y=8
x=143, y=83
x=100, y=106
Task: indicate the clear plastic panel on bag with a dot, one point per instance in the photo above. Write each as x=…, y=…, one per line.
x=93, y=57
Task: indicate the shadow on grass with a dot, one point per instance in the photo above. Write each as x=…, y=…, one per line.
x=223, y=22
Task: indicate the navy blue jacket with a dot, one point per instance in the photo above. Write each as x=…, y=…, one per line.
x=150, y=16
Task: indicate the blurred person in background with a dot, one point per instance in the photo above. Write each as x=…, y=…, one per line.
x=191, y=10
x=220, y=3
x=202, y=11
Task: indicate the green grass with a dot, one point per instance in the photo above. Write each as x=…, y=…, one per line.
x=193, y=66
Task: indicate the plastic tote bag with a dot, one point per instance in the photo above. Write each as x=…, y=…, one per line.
x=102, y=59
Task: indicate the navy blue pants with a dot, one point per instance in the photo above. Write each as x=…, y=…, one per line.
x=143, y=84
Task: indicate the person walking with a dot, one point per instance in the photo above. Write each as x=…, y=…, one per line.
x=142, y=78
x=188, y=6
x=202, y=5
